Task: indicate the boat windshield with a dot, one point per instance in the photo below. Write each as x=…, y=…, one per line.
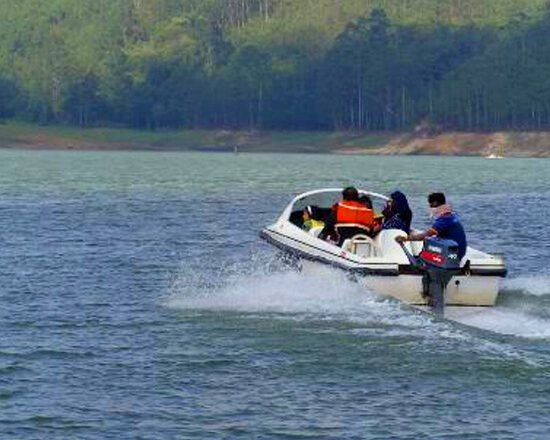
x=321, y=199
x=326, y=199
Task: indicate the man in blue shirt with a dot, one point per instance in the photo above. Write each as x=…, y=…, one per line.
x=445, y=224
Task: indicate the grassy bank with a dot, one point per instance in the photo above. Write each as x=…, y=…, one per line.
x=512, y=144
x=29, y=136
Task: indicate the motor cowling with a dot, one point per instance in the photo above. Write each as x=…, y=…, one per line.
x=440, y=253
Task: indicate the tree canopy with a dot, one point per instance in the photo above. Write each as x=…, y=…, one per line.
x=286, y=64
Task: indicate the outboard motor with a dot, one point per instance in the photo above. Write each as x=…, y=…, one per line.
x=439, y=262
x=439, y=259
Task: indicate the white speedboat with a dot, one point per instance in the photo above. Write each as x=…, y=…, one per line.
x=381, y=264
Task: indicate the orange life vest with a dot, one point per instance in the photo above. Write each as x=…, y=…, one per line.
x=350, y=211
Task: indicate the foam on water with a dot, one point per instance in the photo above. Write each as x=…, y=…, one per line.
x=263, y=294
x=509, y=322
x=538, y=285
x=286, y=292
x=256, y=288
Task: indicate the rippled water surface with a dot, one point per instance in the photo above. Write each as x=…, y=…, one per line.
x=137, y=301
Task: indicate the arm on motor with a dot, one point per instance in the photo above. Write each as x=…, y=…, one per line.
x=416, y=236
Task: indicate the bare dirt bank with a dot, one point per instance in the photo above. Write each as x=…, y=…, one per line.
x=507, y=144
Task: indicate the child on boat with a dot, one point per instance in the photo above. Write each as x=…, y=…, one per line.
x=311, y=218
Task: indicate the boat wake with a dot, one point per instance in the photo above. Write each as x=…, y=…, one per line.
x=508, y=321
x=523, y=309
x=259, y=288
x=282, y=292
x=529, y=285
x=265, y=289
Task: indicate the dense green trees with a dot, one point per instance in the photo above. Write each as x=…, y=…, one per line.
x=295, y=64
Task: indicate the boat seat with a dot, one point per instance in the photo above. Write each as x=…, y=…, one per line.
x=349, y=230
x=389, y=248
x=361, y=245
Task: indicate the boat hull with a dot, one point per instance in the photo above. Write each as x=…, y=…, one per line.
x=461, y=290
x=474, y=290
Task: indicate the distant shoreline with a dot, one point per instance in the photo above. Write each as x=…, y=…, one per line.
x=506, y=144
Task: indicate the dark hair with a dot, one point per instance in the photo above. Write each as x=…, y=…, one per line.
x=400, y=209
x=350, y=193
x=436, y=199
x=366, y=200
x=314, y=212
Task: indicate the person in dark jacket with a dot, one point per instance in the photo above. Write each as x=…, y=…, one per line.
x=397, y=214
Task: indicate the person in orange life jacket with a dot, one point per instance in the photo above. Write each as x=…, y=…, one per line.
x=351, y=211
x=445, y=224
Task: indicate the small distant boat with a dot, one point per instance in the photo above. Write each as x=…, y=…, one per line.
x=496, y=151
x=381, y=264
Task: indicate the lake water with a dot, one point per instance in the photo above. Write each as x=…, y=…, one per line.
x=137, y=302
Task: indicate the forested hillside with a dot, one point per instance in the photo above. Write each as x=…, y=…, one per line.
x=277, y=64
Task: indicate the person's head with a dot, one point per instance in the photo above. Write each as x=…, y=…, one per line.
x=366, y=200
x=397, y=197
x=436, y=199
x=397, y=204
x=350, y=193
